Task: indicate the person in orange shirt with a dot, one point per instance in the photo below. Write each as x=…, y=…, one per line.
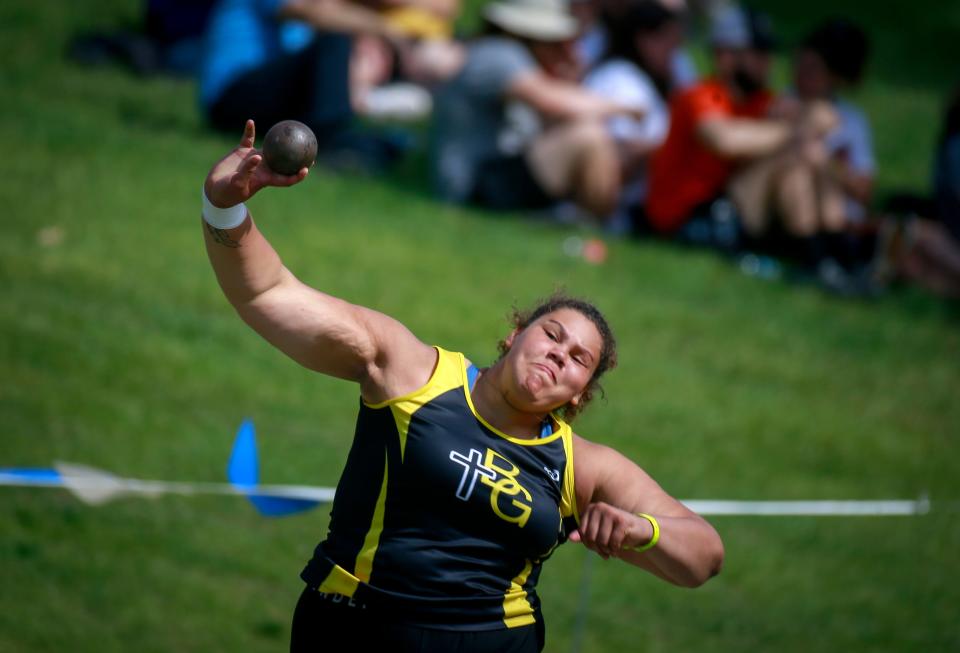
x=719, y=129
x=692, y=167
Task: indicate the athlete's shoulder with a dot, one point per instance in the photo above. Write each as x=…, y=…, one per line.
x=448, y=372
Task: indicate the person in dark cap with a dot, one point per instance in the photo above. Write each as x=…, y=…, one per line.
x=714, y=126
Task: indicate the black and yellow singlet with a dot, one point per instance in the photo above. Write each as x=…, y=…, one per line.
x=441, y=519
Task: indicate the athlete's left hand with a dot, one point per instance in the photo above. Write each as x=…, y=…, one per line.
x=608, y=530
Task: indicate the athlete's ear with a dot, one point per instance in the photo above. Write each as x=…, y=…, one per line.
x=508, y=341
x=575, y=399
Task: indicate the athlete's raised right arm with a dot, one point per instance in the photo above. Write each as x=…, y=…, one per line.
x=318, y=331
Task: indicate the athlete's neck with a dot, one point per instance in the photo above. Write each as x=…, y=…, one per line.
x=494, y=405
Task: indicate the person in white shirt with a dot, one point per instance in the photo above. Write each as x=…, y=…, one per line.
x=636, y=72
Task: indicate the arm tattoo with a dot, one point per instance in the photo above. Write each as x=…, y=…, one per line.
x=221, y=236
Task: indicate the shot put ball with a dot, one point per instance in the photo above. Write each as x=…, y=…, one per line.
x=289, y=146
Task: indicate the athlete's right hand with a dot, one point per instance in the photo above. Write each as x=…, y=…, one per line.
x=609, y=530
x=238, y=176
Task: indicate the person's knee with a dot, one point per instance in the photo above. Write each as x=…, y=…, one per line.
x=597, y=179
x=554, y=157
x=750, y=194
x=579, y=160
x=833, y=219
x=796, y=191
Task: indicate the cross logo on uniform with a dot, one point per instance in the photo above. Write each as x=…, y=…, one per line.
x=472, y=467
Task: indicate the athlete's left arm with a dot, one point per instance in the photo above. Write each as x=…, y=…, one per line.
x=611, y=489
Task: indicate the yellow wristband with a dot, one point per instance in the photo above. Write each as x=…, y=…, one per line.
x=653, y=538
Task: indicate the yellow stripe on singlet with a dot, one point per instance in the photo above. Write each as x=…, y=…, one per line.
x=517, y=610
x=446, y=375
x=568, y=494
x=364, y=564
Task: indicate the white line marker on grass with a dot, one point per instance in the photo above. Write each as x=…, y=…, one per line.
x=95, y=487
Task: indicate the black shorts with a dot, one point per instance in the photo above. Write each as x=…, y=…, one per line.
x=506, y=183
x=332, y=622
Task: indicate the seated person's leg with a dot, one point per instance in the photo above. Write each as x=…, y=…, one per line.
x=371, y=64
x=795, y=199
x=751, y=189
x=832, y=203
x=578, y=161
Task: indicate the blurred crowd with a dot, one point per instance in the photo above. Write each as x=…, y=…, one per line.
x=587, y=110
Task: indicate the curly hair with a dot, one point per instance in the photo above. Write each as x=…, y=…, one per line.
x=521, y=319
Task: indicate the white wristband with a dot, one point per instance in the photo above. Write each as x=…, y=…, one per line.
x=227, y=218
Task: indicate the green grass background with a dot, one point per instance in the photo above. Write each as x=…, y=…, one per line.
x=117, y=350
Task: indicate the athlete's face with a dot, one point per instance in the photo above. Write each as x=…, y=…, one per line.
x=551, y=362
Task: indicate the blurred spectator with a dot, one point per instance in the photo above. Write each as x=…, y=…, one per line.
x=946, y=168
x=647, y=34
x=512, y=130
x=735, y=163
x=392, y=80
x=924, y=248
x=272, y=60
x=714, y=126
x=636, y=73
x=591, y=39
x=829, y=60
x=432, y=55
x=169, y=42
x=601, y=24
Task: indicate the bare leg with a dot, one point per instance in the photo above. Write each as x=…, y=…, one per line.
x=751, y=191
x=933, y=260
x=370, y=63
x=832, y=204
x=580, y=161
x=781, y=185
x=796, y=200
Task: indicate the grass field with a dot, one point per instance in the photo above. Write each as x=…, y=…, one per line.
x=117, y=350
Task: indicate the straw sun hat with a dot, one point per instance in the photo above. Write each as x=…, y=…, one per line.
x=541, y=20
